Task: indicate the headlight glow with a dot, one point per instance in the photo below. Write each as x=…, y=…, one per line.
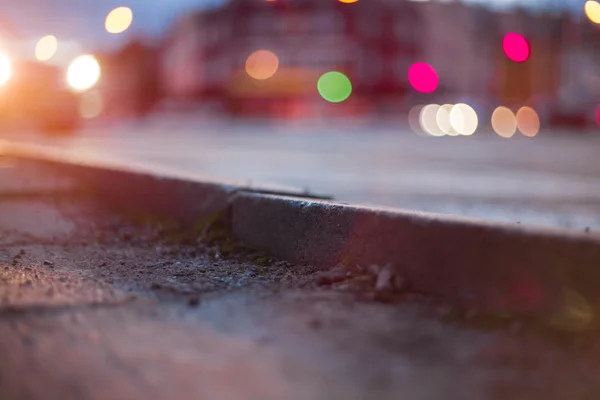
x=83, y=72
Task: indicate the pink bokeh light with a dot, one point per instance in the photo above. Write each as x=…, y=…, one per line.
x=423, y=77
x=597, y=115
x=516, y=47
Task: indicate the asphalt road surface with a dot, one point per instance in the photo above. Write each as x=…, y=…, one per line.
x=551, y=180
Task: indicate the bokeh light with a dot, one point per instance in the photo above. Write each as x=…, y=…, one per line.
x=262, y=64
x=528, y=121
x=423, y=77
x=442, y=119
x=592, y=11
x=597, y=115
x=334, y=87
x=83, y=72
x=516, y=47
x=91, y=105
x=413, y=119
x=504, y=122
x=5, y=68
x=46, y=48
x=348, y=1
x=118, y=20
x=428, y=120
x=463, y=119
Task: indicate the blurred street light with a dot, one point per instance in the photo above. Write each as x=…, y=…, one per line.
x=423, y=77
x=334, y=87
x=46, y=48
x=428, y=120
x=516, y=47
x=504, y=122
x=118, y=20
x=592, y=11
x=528, y=121
x=262, y=64
x=463, y=119
x=442, y=119
x=83, y=72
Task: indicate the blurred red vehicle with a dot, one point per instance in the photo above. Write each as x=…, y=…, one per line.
x=35, y=95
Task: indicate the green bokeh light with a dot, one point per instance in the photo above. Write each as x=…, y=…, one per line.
x=334, y=87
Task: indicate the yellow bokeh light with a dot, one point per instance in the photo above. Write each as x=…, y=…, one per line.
x=262, y=64
x=5, y=68
x=463, y=119
x=91, y=105
x=504, y=122
x=592, y=11
x=46, y=48
x=348, y=1
x=83, y=72
x=118, y=20
x=428, y=120
x=528, y=121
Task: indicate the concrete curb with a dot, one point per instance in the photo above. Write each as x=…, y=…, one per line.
x=487, y=266
x=181, y=197
x=502, y=268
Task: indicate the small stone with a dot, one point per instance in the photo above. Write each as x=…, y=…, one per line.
x=193, y=301
x=342, y=286
x=329, y=278
x=47, y=262
x=155, y=286
x=22, y=252
x=384, y=280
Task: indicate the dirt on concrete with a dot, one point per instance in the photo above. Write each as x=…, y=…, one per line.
x=97, y=305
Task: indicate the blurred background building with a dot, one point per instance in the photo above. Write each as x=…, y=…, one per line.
x=204, y=59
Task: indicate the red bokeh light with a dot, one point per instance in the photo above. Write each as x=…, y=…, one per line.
x=516, y=47
x=597, y=115
x=423, y=77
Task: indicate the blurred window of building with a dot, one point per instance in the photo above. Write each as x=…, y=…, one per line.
x=369, y=24
x=405, y=31
x=402, y=64
x=261, y=23
x=298, y=24
x=369, y=66
x=328, y=22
